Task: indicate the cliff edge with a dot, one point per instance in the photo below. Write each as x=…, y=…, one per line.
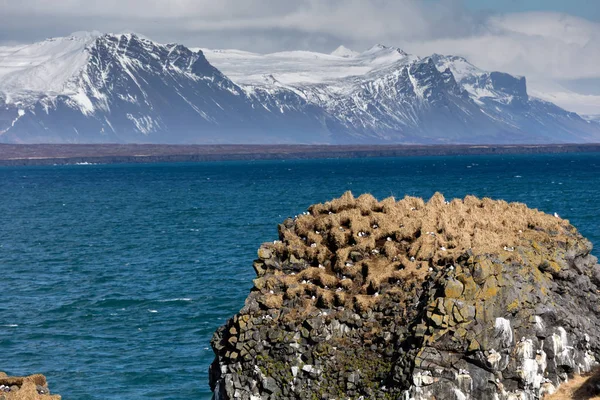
x=463, y=299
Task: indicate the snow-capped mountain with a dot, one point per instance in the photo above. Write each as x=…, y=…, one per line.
x=123, y=88
x=386, y=95
x=91, y=88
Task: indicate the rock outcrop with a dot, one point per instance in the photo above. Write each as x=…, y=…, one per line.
x=467, y=299
x=33, y=387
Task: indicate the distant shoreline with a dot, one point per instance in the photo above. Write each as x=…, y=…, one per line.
x=66, y=154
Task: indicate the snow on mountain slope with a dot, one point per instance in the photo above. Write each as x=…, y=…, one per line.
x=505, y=99
x=387, y=95
x=125, y=88
x=28, y=72
x=131, y=89
x=482, y=85
x=301, y=67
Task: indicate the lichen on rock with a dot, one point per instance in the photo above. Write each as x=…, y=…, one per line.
x=466, y=299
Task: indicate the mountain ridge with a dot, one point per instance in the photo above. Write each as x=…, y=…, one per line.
x=98, y=88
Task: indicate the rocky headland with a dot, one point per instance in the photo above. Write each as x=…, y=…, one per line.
x=463, y=299
x=33, y=387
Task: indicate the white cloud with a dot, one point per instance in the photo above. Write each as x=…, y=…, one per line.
x=357, y=21
x=545, y=44
x=582, y=103
x=539, y=45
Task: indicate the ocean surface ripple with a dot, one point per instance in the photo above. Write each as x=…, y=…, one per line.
x=114, y=277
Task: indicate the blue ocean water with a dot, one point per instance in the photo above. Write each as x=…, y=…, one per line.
x=114, y=277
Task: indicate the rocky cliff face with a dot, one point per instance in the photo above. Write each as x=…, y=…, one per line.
x=468, y=299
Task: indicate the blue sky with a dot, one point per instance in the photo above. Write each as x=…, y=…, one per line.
x=589, y=9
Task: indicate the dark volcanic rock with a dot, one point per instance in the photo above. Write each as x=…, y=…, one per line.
x=469, y=299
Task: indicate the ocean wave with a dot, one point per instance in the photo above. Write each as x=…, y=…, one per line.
x=176, y=299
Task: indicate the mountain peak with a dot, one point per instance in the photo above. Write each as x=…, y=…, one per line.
x=343, y=51
x=380, y=47
x=84, y=35
x=133, y=35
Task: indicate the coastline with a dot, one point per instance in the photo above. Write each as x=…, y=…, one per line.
x=67, y=154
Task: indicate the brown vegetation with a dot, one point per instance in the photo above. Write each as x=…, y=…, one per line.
x=350, y=250
x=32, y=387
x=579, y=388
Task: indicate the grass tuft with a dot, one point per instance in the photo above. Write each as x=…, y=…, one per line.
x=350, y=250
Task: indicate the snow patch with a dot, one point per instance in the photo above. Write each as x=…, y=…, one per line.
x=144, y=124
x=302, y=67
x=84, y=103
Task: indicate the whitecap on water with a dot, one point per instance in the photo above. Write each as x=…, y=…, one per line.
x=177, y=299
x=153, y=311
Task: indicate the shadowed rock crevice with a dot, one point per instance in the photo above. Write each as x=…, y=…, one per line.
x=469, y=298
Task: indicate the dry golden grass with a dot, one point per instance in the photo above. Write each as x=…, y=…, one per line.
x=355, y=248
x=578, y=388
x=27, y=387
